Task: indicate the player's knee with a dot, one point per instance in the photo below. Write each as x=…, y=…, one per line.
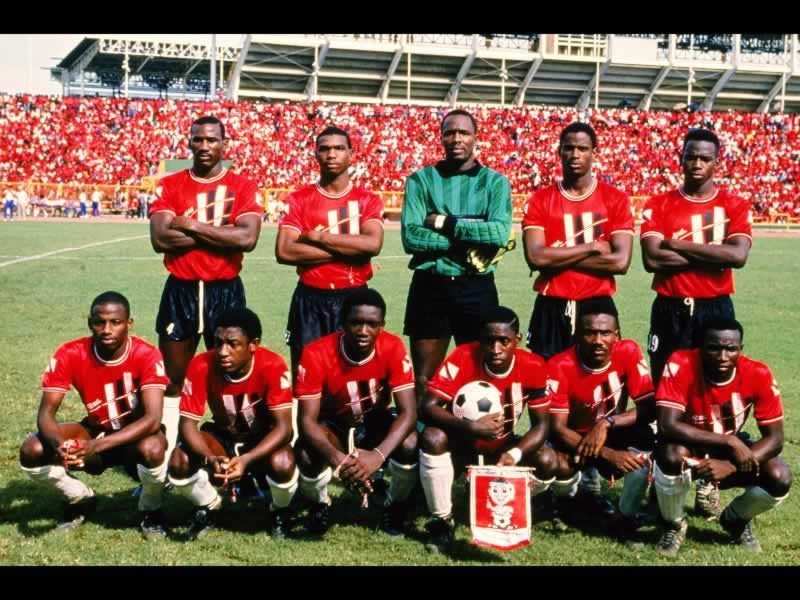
x=434, y=441
x=564, y=468
x=179, y=466
x=152, y=450
x=546, y=462
x=776, y=477
x=282, y=464
x=406, y=452
x=670, y=458
x=308, y=462
x=31, y=453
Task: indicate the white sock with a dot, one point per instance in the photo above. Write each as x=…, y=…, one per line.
x=153, y=481
x=566, y=487
x=539, y=486
x=634, y=487
x=198, y=490
x=404, y=478
x=170, y=418
x=295, y=429
x=754, y=501
x=55, y=476
x=282, y=493
x=436, y=474
x=671, y=492
x=316, y=488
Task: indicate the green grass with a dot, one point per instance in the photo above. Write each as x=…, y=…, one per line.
x=45, y=301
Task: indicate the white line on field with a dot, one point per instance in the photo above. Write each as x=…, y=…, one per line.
x=62, y=250
x=154, y=257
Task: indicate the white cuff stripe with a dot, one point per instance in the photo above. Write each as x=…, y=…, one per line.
x=747, y=235
x=379, y=220
x=440, y=393
x=643, y=397
x=290, y=227
x=158, y=386
x=405, y=386
x=532, y=227
x=674, y=405
x=563, y=411
x=652, y=234
x=55, y=389
x=533, y=404
x=310, y=397
x=628, y=231
x=245, y=214
x=280, y=406
x=172, y=212
x=191, y=416
x=770, y=421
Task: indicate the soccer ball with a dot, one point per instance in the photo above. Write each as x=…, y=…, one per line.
x=477, y=399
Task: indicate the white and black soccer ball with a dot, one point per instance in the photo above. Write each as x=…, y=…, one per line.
x=477, y=399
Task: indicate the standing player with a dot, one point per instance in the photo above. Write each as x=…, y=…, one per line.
x=248, y=391
x=450, y=208
x=203, y=221
x=703, y=400
x=521, y=379
x=121, y=381
x=691, y=239
x=330, y=233
x=578, y=234
x=345, y=383
x=590, y=422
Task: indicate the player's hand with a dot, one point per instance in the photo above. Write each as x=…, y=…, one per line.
x=78, y=452
x=743, y=456
x=593, y=442
x=714, y=469
x=233, y=469
x=362, y=467
x=310, y=237
x=601, y=247
x=217, y=463
x=505, y=460
x=430, y=220
x=488, y=427
x=626, y=462
x=183, y=223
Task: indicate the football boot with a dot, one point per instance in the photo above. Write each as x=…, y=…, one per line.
x=202, y=523
x=706, y=500
x=393, y=518
x=153, y=525
x=740, y=531
x=75, y=514
x=672, y=538
x=319, y=516
x=441, y=533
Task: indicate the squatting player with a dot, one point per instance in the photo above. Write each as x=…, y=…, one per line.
x=590, y=422
x=449, y=208
x=691, y=239
x=521, y=379
x=346, y=380
x=247, y=388
x=121, y=381
x=330, y=233
x=703, y=400
x=203, y=220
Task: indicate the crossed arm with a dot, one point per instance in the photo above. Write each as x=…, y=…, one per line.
x=597, y=257
x=171, y=233
x=662, y=255
x=318, y=247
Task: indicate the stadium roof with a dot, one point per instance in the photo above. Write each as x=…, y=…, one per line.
x=742, y=72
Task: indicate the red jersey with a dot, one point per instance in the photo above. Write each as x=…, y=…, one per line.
x=311, y=207
x=525, y=383
x=569, y=221
x=240, y=406
x=588, y=395
x=675, y=215
x=110, y=390
x=720, y=408
x=221, y=200
x=348, y=389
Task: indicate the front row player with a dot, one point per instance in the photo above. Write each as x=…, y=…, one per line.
x=590, y=422
x=248, y=390
x=704, y=397
x=346, y=381
x=520, y=377
x=121, y=381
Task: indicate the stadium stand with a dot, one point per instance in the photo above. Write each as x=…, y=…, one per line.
x=119, y=142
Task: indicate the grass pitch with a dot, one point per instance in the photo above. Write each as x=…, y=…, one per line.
x=45, y=301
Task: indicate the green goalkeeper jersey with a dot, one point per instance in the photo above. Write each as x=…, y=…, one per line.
x=478, y=199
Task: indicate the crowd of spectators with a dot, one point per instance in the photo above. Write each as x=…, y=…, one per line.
x=119, y=141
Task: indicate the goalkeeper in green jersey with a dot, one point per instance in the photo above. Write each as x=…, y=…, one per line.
x=456, y=221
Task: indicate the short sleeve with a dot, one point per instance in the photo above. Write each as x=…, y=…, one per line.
x=768, y=405
x=372, y=209
x=151, y=367
x=57, y=376
x=619, y=213
x=673, y=389
x=651, y=219
x=401, y=371
x=534, y=216
x=741, y=220
x=279, y=380
x=558, y=388
x=310, y=376
x=164, y=199
x=640, y=382
x=194, y=392
x=249, y=203
x=295, y=214
x=535, y=383
x=447, y=380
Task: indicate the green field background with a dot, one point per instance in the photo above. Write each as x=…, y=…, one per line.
x=44, y=302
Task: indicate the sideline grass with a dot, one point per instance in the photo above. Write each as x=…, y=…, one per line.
x=44, y=303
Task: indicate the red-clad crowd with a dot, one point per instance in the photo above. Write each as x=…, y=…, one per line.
x=103, y=140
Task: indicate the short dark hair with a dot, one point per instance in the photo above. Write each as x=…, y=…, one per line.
x=700, y=134
x=578, y=127
x=463, y=113
x=332, y=130
x=723, y=324
x=243, y=318
x=597, y=305
x=501, y=314
x=111, y=297
x=365, y=297
x=209, y=120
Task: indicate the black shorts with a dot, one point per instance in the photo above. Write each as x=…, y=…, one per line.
x=314, y=313
x=552, y=324
x=369, y=432
x=191, y=307
x=640, y=437
x=676, y=325
x=439, y=307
